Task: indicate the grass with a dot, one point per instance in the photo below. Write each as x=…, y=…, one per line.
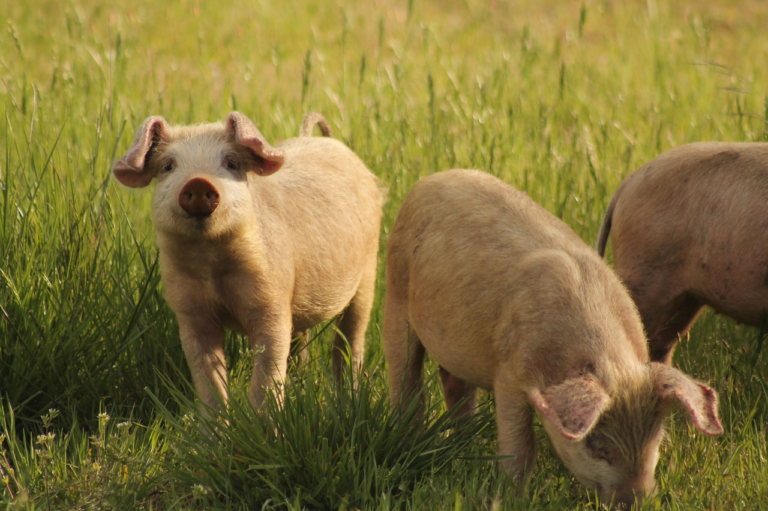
x=559, y=99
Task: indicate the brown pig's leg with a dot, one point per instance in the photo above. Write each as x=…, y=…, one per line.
x=664, y=325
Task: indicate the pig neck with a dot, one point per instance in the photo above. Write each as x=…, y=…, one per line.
x=201, y=257
x=588, y=325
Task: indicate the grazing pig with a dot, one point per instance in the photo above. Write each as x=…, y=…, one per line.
x=261, y=252
x=505, y=297
x=689, y=229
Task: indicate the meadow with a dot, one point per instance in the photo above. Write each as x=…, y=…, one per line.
x=560, y=99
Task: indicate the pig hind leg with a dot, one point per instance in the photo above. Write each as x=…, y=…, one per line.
x=455, y=390
x=402, y=349
x=350, y=339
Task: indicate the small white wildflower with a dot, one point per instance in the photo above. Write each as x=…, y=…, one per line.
x=199, y=491
x=187, y=419
x=45, y=439
x=103, y=417
x=124, y=425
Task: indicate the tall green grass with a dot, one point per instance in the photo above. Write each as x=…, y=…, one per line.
x=559, y=99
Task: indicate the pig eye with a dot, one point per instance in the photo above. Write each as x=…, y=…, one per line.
x=168, y=166
x=598, y=448
x=231, y=164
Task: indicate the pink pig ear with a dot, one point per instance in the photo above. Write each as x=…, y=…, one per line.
x=698, y=399
x=573, y=406
x=131, y=169
x=248, y=135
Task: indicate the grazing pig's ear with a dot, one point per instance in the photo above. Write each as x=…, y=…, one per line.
x=248, y=135
x=699, y=399
x=131, y=169
x=573, y=406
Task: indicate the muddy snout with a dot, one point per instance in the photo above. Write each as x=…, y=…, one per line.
x=199, y=197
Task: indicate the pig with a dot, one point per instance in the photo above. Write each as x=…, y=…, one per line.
x=688, y=231
x=506, y=297
x=261, y=252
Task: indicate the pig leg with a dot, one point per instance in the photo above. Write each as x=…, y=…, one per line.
x=514, y=423
x=271, y=340
x=203, y=342
x=402, y=349
x=350, y=340
x=666, y=323
x=454, y=390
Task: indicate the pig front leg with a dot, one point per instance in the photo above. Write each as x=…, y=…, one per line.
x=202, y=339
x=271, y=340
x=514, y=422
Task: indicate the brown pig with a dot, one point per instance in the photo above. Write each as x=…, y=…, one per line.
x=261, y=252
x=689, y=230
x=506, y=297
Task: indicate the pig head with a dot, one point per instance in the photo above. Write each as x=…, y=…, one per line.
x=611, y=443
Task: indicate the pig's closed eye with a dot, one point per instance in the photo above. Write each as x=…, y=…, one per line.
x=231, y=164
x=168, y=166
x=598, y=449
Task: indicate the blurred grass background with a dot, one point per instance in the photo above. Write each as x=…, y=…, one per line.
x=561, y=99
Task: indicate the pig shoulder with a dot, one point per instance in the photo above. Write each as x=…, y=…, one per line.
x=570, y=313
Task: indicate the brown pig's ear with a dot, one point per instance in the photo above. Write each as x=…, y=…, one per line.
x=248, y=135
x=573, y=406
x=698, y=399
x=131, y=169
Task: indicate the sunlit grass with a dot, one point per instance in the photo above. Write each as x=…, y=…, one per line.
x=559, y=99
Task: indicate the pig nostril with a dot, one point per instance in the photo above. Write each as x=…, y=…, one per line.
x=199, y=198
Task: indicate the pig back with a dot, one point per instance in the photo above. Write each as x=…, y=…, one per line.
x=492, y=276
x=324, y=206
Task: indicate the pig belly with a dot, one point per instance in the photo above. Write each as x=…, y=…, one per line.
x=309, y=310
x=461, y=355
x=735, y=285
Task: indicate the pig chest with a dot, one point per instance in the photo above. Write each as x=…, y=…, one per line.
x=228, y=297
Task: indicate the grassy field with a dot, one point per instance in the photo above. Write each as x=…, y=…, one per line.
x=561, y=99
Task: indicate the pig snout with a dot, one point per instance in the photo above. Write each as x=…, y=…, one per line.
x=199, y=197
x=625, y=498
